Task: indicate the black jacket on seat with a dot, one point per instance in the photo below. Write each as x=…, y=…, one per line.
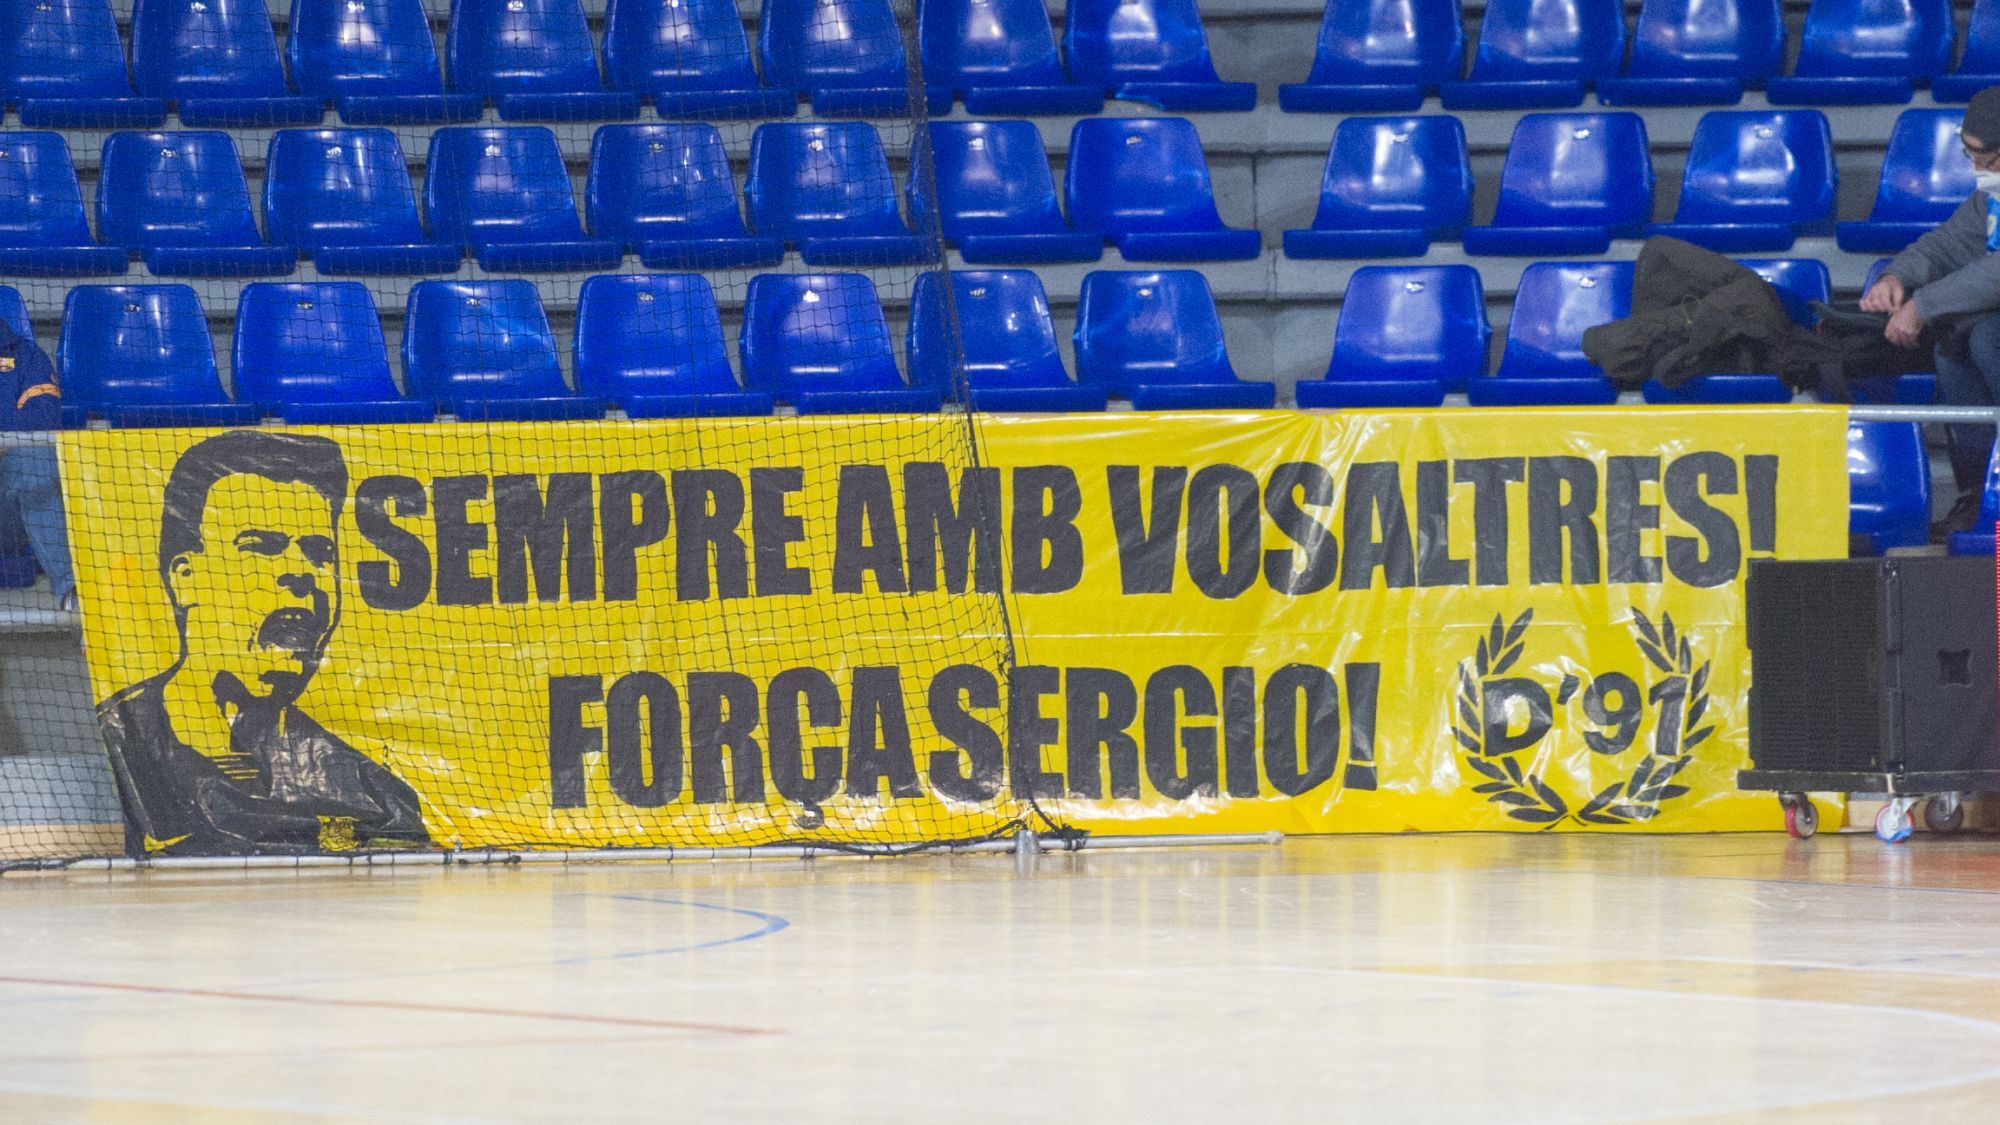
x=1694, y=312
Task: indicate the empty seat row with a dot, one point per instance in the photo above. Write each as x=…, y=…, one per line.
x=1376, y=55
x=219, y=63
x=62, y=63
x=314, y=353
x=651, y=344
x=665, y=192
x=1754, y=182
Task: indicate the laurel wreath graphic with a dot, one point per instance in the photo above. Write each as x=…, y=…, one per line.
x=1638, y=798
x=1528, y=798
x=1635, y=799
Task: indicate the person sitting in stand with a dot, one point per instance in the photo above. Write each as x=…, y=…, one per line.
x=31, y=511
x=1949, y=280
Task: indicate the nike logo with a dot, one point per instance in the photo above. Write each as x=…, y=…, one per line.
x=153, y=845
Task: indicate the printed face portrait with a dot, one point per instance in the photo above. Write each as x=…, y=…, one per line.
x=261, y=595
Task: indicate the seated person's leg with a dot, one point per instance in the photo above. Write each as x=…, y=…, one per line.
x=28, y=490
x=1963, y=363
x=13, y=536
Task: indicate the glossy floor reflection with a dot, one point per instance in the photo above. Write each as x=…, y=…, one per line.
x=1412, y=978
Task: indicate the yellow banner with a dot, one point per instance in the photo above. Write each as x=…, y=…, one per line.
x=853, y=630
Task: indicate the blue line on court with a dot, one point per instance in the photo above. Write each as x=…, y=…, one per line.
x=771, y=924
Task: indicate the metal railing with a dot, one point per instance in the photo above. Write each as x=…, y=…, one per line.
x=1964, y=414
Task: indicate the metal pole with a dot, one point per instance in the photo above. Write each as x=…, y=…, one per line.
x=1986, y=415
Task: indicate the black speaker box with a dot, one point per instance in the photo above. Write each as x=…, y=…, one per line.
x=1874, y=666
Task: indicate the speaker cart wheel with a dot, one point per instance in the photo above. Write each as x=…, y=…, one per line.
x=1944, y=814
x=1893, y=824
x=1801, y=817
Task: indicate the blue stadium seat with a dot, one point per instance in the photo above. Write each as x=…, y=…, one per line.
x=1543, y=363
x=1155, y=339
x=996, y=198
x=1571, y=184
x=534, y=58
x=652, y=344
x=1006, y=338
x=312, y=354
x=1979, y=64
x=1540, y=54
x=1925, y=176
x=376, y=62
x=141, y=355
x=1756, y=181
x=1391, y=186
x=1379, y=56
x=1699, y=52
x=217, y=62
x=826, y=188
x=819, y=341
x=666, y=192
x=43, y=232
x=1000, y=56
x=1406, y=337
x=1152, y=51
x=482, y=350
x=1142, y=182
x=179, y=200
x=847, y=55
x=505, y=192
x=343, y=196
x=1889, y=486
x=692, y=57
x=63, y=67
x=1866, y=52
x=1799, y=282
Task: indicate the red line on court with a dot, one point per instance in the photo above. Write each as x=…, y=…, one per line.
x=395, y=1005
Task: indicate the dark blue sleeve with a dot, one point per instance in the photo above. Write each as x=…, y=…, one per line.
x=37, y=403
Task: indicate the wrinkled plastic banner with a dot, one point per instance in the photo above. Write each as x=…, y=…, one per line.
x=617, y=634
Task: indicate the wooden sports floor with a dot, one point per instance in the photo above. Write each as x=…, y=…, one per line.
x=1530, y=978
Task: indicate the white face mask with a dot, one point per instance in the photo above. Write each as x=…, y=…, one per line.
x=1988, y=182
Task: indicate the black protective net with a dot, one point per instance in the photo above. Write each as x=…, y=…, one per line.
x=494, y=424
